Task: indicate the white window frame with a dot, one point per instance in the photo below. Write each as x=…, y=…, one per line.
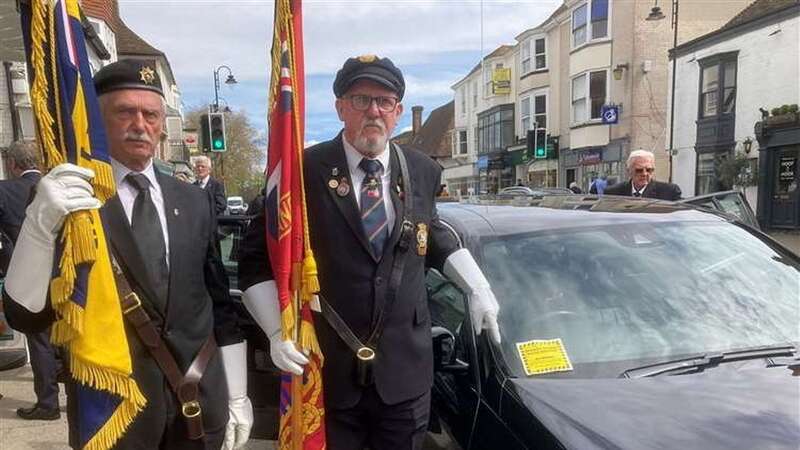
x=474, y=94
x=528, y=55
x=487, y=78
x=530, y=98
x=589, y=39
x=463, y=146
x=463, y=90
x=588, y=97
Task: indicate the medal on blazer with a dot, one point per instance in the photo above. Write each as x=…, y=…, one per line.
x=333, y=183
x=343, y=188
x=422, y=239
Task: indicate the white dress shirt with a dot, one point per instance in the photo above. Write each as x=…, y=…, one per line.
x=357, y=176
x=640, y=191
x=127, y=194
x=202, y=183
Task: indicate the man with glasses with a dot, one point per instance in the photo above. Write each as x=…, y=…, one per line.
x=374, y=230
x=641, y=166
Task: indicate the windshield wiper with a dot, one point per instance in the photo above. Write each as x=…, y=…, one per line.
x=703, y=361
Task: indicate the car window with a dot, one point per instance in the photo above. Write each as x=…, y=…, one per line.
x=639, y=291
x=445, y=301
x=230, y=232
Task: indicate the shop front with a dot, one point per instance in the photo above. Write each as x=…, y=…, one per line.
x=779, y=175
x=585, y=164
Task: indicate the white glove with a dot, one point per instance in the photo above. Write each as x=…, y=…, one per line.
x=63, y=190
x=462, y=270
x=240, y=410
x=261, y=300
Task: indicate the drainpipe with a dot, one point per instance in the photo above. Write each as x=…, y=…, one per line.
x=12, y=107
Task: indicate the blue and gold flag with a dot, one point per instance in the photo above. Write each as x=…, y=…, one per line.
x=83, y=294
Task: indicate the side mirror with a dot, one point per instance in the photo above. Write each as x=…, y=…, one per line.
x=444, y=352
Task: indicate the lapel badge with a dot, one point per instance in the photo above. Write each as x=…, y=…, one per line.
x=333, y=183
x=335, y=172
x=175, y=211
x=343, y=189
x=422, y=239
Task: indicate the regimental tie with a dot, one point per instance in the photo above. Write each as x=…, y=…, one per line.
x=149, y=236
x=373, y=210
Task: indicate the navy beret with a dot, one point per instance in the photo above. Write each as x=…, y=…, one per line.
x=128, y=74
x=369, y=67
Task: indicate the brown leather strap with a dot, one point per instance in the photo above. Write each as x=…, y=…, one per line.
x=185, y=386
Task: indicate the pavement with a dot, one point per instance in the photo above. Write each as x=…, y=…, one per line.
x=790, y=239
x=16, y=385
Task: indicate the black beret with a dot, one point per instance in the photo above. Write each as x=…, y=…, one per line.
x=369, y=67
x=128, y=74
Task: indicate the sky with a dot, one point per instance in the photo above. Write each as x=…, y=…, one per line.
x=434, y=43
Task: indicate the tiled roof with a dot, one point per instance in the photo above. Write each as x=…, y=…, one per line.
x=431, y=136
x=129, y=43
x=758, y=9
x=105, y=10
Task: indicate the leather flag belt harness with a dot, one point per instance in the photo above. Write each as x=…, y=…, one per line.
x=365, y=351
x=185, y=386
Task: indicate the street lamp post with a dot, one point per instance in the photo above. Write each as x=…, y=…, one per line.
x=229, y=80
x=656, y=14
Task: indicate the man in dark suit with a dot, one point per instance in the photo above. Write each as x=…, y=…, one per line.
x=355, y=190
x=641, y=166
x=14, y=197
x=215, y=189
x=161, y=231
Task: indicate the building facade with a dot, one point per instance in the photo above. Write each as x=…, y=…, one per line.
x=731, y=85
x=594, y=76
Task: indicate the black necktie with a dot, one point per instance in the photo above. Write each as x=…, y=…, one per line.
x=149, y=236
x=373, y=211
x=637, y=194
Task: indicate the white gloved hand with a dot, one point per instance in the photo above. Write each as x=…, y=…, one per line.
x=261, y=300
x=461, y=268
x=63, y=190
x=240, y=410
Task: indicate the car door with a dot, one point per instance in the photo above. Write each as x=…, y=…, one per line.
x=730, y=202
x=467, y=383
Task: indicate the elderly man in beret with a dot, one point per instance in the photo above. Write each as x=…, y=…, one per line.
x=374, y=230
x=162, y=233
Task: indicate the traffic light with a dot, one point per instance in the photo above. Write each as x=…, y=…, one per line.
x=540, y=144
x=204, y=134
x=216, y=130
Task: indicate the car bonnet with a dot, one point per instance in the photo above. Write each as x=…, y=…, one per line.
x=718, y=409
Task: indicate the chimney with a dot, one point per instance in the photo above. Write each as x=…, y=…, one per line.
x=416, y=119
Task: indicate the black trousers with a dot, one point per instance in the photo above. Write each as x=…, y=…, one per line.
x=373, y=424
x=45, y=367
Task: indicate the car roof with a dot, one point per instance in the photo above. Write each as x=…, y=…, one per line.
x=512, y=216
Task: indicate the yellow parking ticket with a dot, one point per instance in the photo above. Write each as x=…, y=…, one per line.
x=543, y=356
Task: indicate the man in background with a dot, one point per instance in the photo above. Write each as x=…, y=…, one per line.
x=14, y=198
x=202, y=170
x=641, y=166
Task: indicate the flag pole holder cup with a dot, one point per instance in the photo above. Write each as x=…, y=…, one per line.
x=364, y=359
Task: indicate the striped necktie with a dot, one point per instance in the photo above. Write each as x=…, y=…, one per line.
x=373, y=211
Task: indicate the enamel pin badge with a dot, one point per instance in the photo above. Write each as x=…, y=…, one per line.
x=422, y=239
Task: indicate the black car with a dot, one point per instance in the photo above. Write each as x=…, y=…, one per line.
x=680, y=325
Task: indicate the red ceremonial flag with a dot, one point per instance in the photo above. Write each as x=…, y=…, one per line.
x=302, y=422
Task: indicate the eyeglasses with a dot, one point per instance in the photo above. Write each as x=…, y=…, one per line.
x=641, y=170
x=363, y=102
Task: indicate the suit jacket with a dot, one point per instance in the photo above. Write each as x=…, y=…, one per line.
x=14, y=198
x=198, y=304
x=216, y=192
x=655, y=189
x=354, y=283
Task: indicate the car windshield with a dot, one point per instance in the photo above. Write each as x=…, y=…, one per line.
x=628, y=293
